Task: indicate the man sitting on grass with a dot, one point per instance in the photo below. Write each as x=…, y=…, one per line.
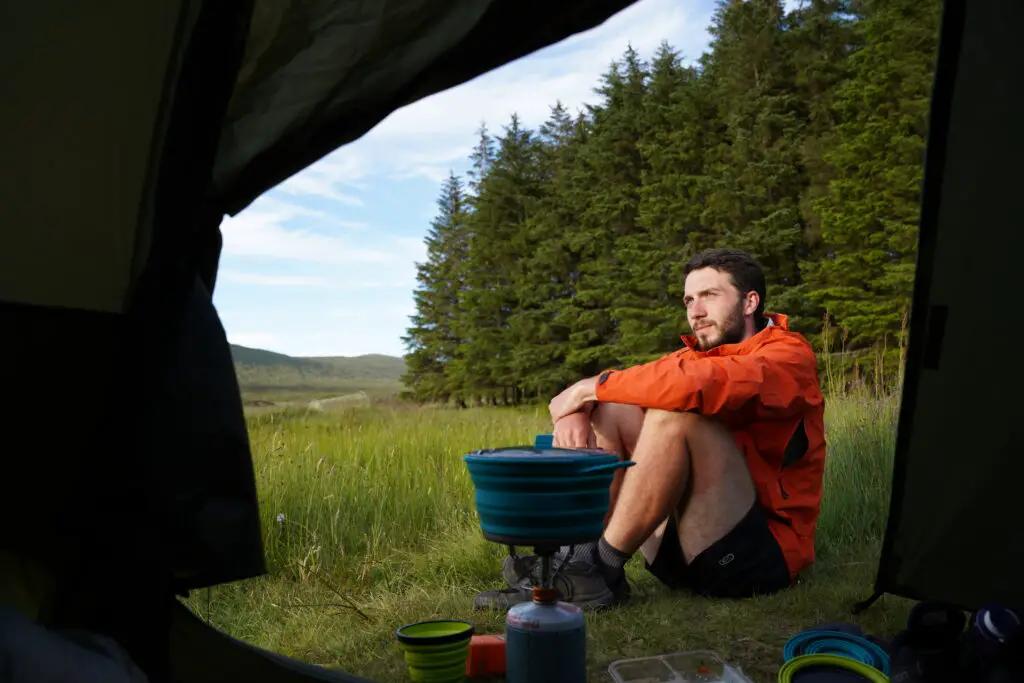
x=727, y=435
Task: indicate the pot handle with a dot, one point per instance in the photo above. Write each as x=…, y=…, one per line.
x=606, y=466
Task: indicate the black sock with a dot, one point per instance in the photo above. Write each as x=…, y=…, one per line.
x=612, y=557
x=584, y=551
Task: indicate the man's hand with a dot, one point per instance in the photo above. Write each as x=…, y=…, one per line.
x=577, y=396
x=574, y=431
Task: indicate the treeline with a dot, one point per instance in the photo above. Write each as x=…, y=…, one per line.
x=798, y=136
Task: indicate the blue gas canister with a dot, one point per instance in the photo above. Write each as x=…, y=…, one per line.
x=545, y=641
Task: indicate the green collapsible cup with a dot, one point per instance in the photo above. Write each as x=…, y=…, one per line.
x=436, y=651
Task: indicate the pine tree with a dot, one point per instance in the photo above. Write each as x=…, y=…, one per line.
x=611, y=172
x=869, y=216
x=677, y=122
x=819, y=36
x=465, y=378
x=754, y=171
x=432, y=341
x=508, y=194
x=547, y=282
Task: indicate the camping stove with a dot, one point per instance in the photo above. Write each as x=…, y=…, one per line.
x=544, y=498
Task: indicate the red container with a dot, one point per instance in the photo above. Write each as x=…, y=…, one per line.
x=486, y=656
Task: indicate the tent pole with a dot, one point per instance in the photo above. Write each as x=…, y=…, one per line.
x=865, y=604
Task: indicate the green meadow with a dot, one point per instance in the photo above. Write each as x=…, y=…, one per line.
x=369, y=523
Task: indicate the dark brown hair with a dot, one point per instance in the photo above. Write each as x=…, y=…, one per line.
x=743, y=269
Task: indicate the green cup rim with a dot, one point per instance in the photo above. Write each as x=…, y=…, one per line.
x=435, y=640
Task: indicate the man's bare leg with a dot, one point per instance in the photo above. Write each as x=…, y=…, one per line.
x=617, y=429
x=677, y=450
x=687, y=467
x=703, y=513
x=677, y=454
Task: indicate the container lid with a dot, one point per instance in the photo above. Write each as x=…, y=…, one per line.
x=678, y=667
x=560, y=455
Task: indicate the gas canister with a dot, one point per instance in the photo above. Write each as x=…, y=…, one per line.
x=545, y=641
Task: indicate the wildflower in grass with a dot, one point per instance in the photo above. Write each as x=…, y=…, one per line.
x=281, y=518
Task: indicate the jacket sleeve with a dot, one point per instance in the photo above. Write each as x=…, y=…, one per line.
x=780, y=379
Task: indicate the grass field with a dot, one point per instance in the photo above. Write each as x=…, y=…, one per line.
x=255, y=393
x=369, y=523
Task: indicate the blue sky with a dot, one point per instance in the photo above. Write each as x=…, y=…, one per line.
x=325, y=263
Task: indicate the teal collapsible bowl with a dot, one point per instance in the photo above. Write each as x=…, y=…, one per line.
x=542, y=496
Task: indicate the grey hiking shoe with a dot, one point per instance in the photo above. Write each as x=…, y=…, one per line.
x=516, y=569
x=502, y=599
x=579, y=582
x=521, y=573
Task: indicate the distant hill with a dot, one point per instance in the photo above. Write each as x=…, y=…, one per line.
x=263, y=374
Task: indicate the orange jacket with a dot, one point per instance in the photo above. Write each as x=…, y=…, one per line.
x=766, y=391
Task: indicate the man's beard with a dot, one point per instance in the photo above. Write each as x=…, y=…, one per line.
x=729, y=331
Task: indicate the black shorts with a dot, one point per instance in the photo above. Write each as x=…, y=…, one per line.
x=745, y=562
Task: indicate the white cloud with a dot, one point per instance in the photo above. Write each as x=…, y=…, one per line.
x=309, y=183
x=531, y=87
x=324, y=179
x=430, y=136
x=264, y=230
x=434, y=166
x=271, y=280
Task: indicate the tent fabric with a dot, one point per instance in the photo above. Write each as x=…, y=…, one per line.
x=321, y=73
x=953, y=532
x=202, y=654
x=128, y=134
x=83, y=99
x=30, y=653
x=92, y=129
x=133, y=131
x=131, y=473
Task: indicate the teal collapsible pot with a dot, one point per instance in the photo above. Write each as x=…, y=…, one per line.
x=542, y=496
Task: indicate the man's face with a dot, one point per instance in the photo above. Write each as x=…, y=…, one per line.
x=716, y=311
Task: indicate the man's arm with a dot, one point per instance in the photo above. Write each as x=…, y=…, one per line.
x=781, y=377
x=578, y=398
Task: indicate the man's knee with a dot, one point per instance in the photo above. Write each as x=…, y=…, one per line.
x=679, y=423
x=710, y=445
x=623, y=423
x=617, y=424
x=615, y=415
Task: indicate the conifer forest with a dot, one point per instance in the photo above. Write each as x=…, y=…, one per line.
x=798, y=135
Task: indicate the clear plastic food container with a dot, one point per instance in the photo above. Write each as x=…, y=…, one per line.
x=698, y=666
